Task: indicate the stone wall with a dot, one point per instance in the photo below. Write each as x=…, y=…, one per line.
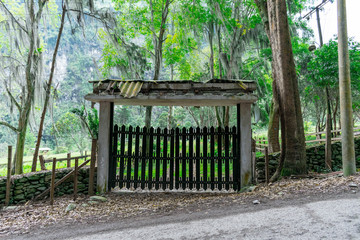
x=315, y=159
x=25, y=187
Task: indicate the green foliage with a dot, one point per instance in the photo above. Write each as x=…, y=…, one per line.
x=89, y=120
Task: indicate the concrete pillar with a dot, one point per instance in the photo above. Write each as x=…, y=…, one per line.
x=245, y=147
x=104, y=147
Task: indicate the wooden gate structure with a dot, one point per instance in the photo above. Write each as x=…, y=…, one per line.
x=191, y=158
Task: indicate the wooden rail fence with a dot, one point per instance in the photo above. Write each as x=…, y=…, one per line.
x=261, y=143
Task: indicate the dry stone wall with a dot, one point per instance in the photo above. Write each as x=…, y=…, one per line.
x=315, y=159
x=25, y=187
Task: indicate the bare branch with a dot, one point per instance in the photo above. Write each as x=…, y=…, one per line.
x=13, y=17
x=9, y=126
x=13, y=99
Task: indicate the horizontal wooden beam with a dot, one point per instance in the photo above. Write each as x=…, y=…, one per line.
x=175, y=100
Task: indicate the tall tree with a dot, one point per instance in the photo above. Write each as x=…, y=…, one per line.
x=346, y=113
x=293, y=158
x=48, y=90
x=28, y=43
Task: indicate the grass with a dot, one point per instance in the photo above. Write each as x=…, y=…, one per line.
x=28, y=162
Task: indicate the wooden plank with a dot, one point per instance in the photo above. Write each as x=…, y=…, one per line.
x=8, y=177
x=52, y=189
x=165, y=159
x=151, y=157
x=65, y=159
x=197, y=157
x=68, y=160
x=67, y=176
x=172, y=159
x=183, y=159
x=76, y=172
x=113, y=156
x=129, y=157
x=143, y=158
x=136, y=163
x=191, y=158
x=157, y=158
x=212, y=155
x=227, y=160
x=177, y=158
x=219, y=159
x=205, y=158
x=122, y=159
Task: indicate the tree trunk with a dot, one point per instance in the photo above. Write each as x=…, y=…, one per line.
x=346, y=114
x=211, y=59
x=48, y=91
x=293, y=157
x=170, y=117
x=273, y=129
x=219, y=46
x=148, y=117
x=20, y=145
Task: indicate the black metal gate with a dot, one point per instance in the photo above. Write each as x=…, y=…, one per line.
x=190, y=158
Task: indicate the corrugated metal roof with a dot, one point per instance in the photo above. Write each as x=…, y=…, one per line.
x=129, y=89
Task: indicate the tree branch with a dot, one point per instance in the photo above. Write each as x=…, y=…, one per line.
x=9, y=126
x=13, y=17
x=13, y=99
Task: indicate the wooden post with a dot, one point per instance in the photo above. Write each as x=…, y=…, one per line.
x=68, y=163
x=8, y=179
x=76, y=178
x=42, y=162
x=52, y=189
x=267, y=165
x=92, y=167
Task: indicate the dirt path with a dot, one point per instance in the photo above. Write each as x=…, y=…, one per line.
x=127, y=210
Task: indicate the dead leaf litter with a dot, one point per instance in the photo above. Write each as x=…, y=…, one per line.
x=39, y=214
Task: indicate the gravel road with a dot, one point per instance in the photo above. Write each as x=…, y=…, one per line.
x=326, y=217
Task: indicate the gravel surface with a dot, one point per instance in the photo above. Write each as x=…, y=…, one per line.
x=35, y=217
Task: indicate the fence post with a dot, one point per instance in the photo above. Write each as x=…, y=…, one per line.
x=266, y=165
x=8, y=179
x=68, y=163
x=52, y=188
x=42, y=162
x=92, y=167
x=76, y=178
